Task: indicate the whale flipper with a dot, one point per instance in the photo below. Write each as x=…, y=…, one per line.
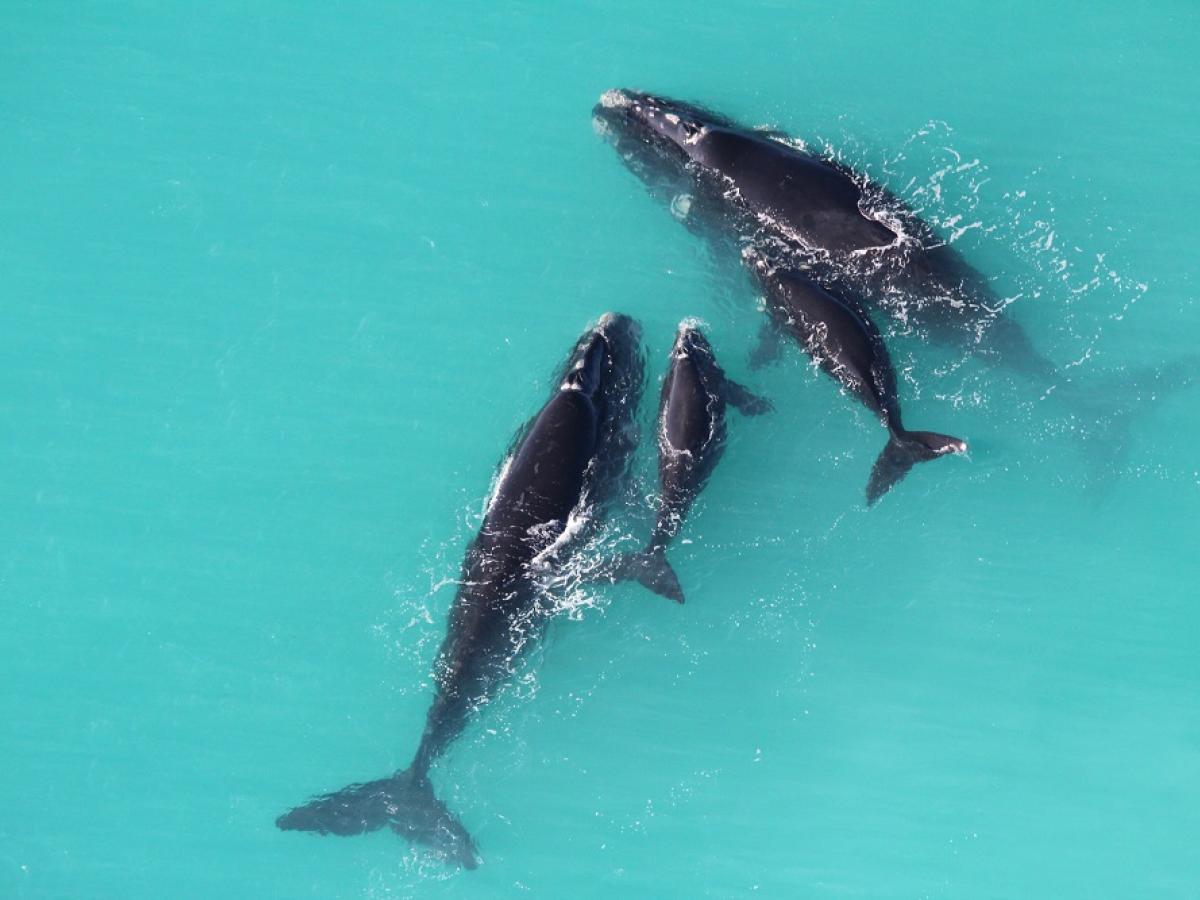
x=747, y=403
x=1109, y=405
x=769, y=347
x=904, y=450
x=405, y=802
x=651, y=569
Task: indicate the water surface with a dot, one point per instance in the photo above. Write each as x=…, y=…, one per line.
x=282, y=281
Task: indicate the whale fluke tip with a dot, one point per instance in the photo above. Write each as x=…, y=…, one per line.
x=903, y=451
x=651, y=569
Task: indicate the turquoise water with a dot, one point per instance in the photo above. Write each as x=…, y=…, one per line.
x=280, y=283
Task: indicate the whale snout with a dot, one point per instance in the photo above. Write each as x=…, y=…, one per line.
x=609, y=349
x=656, y=137
x=620, y=328
x=690, y=340
x=648, y=117
x=615, y=98
x=614, y=115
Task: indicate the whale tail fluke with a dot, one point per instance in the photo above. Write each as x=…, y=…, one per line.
x=903, y=451
x=404, y=802
x=651, y=569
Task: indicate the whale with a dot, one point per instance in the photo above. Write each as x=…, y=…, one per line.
x=765, y=189
x=734, y=186
x=563, y=467
x=845, y=344
x=691, y=440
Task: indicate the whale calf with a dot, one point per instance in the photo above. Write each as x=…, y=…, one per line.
x=691, y=439
x=564, y=466
x=765, y=188
x=844, y=342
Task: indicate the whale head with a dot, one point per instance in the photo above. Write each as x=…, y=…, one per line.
x=607, y=367
x=690, y=342
x=655, y=136
x=605, y=351
x=587, y=365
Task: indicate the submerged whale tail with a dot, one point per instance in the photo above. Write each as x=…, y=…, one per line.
x=650, y=567
x=405, y=802
x=1107, y=407
x=903, y=451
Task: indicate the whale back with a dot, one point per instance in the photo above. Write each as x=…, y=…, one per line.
x=805, y=197
x=839, y=336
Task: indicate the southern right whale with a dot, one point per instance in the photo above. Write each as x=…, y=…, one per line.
x=845, y=343
x=691, y=439
x=734, y=185
x=563, y=467
x=816, y=210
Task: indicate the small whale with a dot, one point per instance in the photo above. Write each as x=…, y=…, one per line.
x=844, y=342
x=691, y=439
x=564, y=465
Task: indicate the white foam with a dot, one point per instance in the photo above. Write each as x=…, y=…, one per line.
x=576, y=520
x=501, y=474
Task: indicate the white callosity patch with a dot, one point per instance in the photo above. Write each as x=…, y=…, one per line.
x=614, y=99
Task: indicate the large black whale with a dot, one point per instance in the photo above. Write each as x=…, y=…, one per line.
x=766, y=189
x=844, y=342
x=691, y=439
x=564, y=466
